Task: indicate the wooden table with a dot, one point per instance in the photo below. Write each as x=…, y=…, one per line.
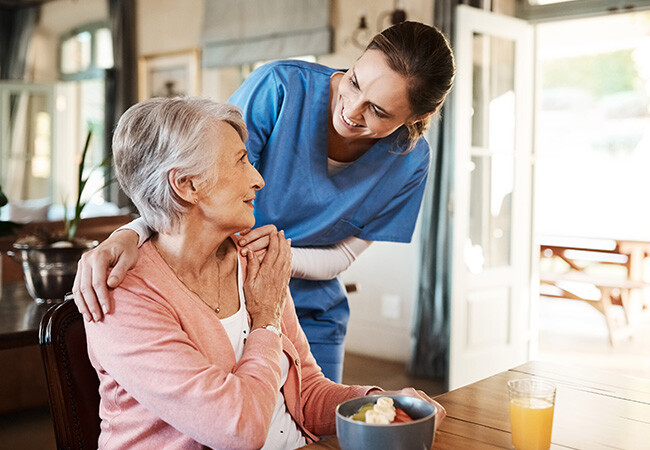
x=593, y=410
x=20, y=316
x=22, y=377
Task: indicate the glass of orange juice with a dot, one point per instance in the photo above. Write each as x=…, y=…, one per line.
x=532, y=403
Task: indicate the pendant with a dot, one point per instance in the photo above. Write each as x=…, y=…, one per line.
x=218, y=309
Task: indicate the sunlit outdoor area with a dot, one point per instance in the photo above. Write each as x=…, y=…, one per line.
x=593, y=135
x=592, y=215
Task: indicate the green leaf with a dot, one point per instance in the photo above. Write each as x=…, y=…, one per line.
x=71, y=221
x=71, y=224
x=3, y=198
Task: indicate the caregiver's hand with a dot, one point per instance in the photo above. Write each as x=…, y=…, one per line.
x=256, y=240
x=267, y=282
x=90, y=289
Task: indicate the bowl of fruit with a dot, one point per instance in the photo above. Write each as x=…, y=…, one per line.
x=389, y=422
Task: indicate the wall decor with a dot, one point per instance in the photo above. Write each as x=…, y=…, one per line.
x=169, y=74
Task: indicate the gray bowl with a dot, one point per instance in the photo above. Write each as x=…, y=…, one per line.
x=416, y=435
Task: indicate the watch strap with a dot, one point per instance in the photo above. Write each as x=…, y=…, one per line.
x=273, y=329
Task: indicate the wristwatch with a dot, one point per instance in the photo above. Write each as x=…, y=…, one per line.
x=272, y=328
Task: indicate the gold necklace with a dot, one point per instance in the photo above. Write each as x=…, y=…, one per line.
x=216, y=309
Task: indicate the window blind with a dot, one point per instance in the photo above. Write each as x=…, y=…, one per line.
x=246, y=31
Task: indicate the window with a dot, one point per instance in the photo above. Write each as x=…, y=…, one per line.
x=85, y=55
x=86, y=52
x=26, y=113
x=545, y=10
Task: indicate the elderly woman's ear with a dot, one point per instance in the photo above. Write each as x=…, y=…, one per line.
x=183, y=186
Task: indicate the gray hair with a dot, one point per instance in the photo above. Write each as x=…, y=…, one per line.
x=158, y=135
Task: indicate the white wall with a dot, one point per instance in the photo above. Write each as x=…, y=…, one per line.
x=382, y=309
x=63, y=16
x=168, y=25
x=345, y=18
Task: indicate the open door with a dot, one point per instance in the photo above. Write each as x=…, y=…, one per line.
x=491, y=291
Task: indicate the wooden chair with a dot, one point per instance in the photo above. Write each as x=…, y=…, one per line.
x=72, y=382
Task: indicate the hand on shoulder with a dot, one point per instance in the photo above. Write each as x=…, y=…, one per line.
x=102, y=268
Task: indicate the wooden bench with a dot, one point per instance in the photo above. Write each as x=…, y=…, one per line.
x=585, y=278
x=612, y=293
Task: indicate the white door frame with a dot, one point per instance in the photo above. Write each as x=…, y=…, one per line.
x=504, y=291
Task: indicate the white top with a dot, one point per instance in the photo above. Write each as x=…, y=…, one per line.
x=283, y=432
x=334, y=167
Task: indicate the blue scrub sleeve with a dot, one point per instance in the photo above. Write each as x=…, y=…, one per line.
x=396, y=222
x=260, y=98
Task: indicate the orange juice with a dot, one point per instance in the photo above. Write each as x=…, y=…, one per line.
x=531, y=421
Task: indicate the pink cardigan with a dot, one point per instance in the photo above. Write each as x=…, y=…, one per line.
x=168, y=376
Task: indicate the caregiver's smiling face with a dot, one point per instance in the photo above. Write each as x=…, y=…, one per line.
x=372, y=99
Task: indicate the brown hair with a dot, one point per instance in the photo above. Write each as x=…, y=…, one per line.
x=422, y=55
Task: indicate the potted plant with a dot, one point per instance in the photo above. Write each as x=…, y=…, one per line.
x=7, y=228
x=49, y=259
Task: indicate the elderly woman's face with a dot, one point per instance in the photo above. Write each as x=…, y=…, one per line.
x=228, y=201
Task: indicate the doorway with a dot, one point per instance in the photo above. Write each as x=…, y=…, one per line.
x=591, y=174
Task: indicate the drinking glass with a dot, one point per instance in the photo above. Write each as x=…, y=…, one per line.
x=532, y=403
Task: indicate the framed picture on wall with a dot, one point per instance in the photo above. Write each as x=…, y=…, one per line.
x=169, y=74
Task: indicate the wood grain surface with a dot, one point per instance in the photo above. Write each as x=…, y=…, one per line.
x=593, y=410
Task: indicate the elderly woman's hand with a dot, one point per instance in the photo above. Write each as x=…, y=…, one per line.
x=267, y=281
x=256, y=239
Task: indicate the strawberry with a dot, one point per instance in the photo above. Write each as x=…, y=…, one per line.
x=401, y=416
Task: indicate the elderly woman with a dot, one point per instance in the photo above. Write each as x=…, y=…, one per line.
x=204, y=347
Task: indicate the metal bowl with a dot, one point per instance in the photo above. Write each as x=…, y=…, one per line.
x=49, y=271
x=355, y=435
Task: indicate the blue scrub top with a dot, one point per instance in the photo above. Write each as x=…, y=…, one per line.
x=377, y=198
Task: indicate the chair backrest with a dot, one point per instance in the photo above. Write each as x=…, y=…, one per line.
x=72, y=382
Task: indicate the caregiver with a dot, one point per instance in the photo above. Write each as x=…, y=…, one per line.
x=345, y=164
